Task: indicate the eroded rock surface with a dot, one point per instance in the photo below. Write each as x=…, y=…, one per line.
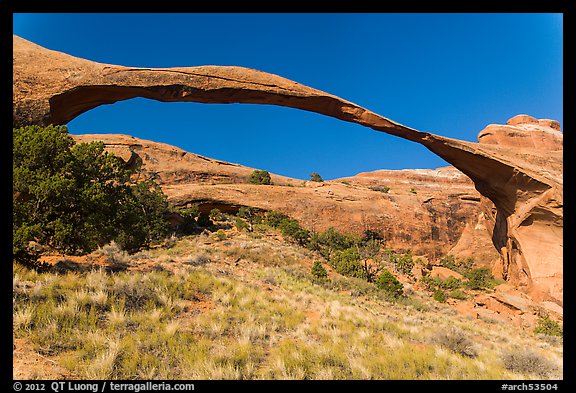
x=523, y=184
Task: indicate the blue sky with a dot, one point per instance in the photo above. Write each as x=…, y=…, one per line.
x=449, y=74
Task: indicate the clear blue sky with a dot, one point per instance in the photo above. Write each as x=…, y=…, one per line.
x=450, y=74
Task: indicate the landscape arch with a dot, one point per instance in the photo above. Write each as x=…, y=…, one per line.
x=53, y=88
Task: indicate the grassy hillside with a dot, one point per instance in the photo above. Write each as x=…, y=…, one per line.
x=237, y=305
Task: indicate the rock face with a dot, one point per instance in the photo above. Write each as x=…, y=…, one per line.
x=429, y=222
x=524, y=185
x=525, y=132
x=530, y=238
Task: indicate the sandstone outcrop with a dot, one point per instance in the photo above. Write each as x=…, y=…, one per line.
x=429, y=222
x=524, y=185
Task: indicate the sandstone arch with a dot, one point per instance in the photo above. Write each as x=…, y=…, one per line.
x=525, y=186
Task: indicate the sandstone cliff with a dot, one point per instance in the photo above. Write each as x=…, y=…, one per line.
x=525, y=184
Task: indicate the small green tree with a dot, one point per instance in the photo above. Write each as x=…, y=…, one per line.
x=292, y=229
x=347, y=263
x=260, y=177
x=439, y=296
x=390, y=284
x=216, y=215
x=249, y=216
x=76, y=197
x=402, y=262
x=273, y=218
x=479, y=278
x=318, y=271
x=316, y=177
x=548, y=327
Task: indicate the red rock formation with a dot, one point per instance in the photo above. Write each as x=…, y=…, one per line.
x=525, y=185
x=429, y=222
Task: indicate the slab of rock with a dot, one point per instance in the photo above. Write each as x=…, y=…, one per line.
x=444, y=273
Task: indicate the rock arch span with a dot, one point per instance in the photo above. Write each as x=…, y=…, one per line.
x=53, y=88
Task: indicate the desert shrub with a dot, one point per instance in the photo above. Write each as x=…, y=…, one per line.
x=249, y=216
x=240, y=224
x=458, y=294
x=198, y=260
x=116, y=257
x=260, y=177
x=390, y=284
x=451, y=283
x=412, y=191
x=220, y=235
x=347, y=263
x=383, y=189
x=316, y=177
x=76, y=197
x=456, y=341
x=403, y=262
x=273, y=218
x=458, y=265
x=292, y=229
x=318, y=270
x=330, y=241
x=216, y=215
x=548, y=327
x=439, y=296
x=525, y=361
x=479, y=278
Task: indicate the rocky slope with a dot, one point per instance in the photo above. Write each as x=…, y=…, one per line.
x=423, y=210
x=524, y=185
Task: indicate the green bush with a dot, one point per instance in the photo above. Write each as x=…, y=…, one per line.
x=458, y=294
x=319, y=271
x=216, y=215
x=461, y=265
x=390, y=284
x=548, y=327
x=330, y=241
x=383, y=189
x=347, y=263
x=291, y=228
x=76, y=197
x=189, y=215
x=249, y=216
x=260, y=177
x=479, y=278
x=240, y=224
x=451, y=283
x=403, y=262
x=274, y=218
x=316, y=177
x=439, y=296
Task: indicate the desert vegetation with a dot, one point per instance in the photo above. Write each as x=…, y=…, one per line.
x=251, y=295
x=251, y=306
x=75, y=197
x=260, y=177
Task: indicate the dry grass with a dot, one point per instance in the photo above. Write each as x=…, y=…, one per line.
x=262, y=318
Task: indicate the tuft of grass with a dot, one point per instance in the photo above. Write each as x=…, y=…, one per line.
x=525, y=361
x=456, y=341
x=116, y=257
